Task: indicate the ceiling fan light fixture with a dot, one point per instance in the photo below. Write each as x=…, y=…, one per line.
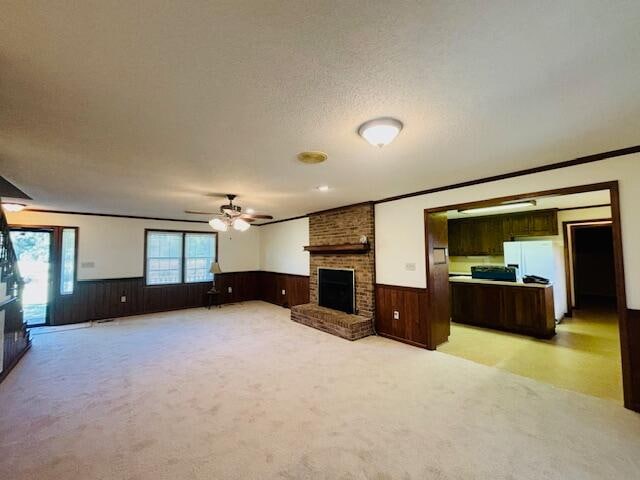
x=380, y=131
x=218, y=225
x=241, y=225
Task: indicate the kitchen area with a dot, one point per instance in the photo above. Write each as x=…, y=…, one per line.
x=515, y=275
x=505, y=272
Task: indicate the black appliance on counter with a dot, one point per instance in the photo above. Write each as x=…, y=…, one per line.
x=489, y=272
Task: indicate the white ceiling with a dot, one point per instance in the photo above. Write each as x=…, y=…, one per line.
x=144, y=107
x=586, y=199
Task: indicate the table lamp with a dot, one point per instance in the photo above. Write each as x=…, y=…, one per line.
x=215, y=269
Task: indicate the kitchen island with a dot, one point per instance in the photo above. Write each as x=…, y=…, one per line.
x=525, y=308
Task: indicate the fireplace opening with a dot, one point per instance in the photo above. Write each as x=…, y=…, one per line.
x=336, y=289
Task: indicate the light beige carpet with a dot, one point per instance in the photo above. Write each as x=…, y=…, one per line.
x=244, y=393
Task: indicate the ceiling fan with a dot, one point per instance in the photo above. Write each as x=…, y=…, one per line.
x=231, y=215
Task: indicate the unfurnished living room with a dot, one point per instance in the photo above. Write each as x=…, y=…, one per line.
x=319, y=240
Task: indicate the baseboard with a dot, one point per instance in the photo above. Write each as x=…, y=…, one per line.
x=403, y=340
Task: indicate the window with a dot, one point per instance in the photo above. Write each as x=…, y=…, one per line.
x=68, y=261
x=199, y=253
x=179, y=257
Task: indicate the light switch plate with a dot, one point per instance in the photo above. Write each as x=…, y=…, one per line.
x=88, y=264
x=230, y=289
x=284, y=292
x=396, y=315
x=123, y=299
x=410, y=267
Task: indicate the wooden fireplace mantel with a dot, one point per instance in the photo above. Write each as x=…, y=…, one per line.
x=343, y=248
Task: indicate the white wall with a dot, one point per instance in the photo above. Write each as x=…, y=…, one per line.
x=281, y=247
x=116, y=245
x=400, y=224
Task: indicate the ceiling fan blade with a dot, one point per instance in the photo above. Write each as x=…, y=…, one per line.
x=197, y=212
x=256, y=216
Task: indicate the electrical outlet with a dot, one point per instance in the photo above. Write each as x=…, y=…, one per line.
x=230, y=290
x=123, y=299
x=410, y=267
x=284, y=292
x=396, y=315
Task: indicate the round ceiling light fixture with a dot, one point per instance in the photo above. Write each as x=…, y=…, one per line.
x=312, y=157
x=380, y=131
x=323, y=188
x=13, y=207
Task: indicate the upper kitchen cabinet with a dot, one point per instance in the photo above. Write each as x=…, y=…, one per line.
x=531, y=224
x=485, y=235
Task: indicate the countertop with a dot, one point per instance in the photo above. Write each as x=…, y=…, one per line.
x=497, y=282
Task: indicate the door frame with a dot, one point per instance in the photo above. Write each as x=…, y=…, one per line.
x=628, y=346
x=569, y=254
x=55, y=257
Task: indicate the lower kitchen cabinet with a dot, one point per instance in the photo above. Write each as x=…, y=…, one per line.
x=515, y=308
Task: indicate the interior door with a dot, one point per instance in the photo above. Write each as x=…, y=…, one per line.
x=439, y=309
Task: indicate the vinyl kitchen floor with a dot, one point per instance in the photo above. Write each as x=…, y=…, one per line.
x=584, y=356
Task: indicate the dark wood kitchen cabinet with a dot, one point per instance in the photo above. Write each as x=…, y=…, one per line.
x=515, y=308
x=485, y=235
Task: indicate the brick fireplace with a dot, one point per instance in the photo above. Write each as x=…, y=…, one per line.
x=335, y=243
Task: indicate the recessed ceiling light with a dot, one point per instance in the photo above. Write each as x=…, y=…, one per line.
x=250, y=211
x=380, y=131
x=312, y=157
x=13, y=207
x=323, y=188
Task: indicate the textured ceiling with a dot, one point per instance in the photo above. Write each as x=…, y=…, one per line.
x=145, y=107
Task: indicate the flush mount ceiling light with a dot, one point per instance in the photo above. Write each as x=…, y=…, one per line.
x=323, y=188
x=13, y=207
x=380, y=131
x=312, y=157
x=498, y=208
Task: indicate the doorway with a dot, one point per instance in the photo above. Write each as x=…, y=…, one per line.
x=34, y=250
x=593, y=266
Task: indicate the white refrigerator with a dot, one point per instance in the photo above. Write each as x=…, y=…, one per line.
x=544, y=258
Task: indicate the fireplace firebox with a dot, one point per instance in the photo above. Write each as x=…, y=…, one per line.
x=336, y=289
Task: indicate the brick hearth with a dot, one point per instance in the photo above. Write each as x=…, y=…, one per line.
x=351, y=327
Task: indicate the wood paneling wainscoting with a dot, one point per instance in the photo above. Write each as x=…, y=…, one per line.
x=101, y=299
x=633, y=335
x=271, y=286
x=411, y=305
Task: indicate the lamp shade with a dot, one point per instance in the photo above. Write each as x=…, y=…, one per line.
x=215, y=268
x=218, y=224
x=241, y=225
